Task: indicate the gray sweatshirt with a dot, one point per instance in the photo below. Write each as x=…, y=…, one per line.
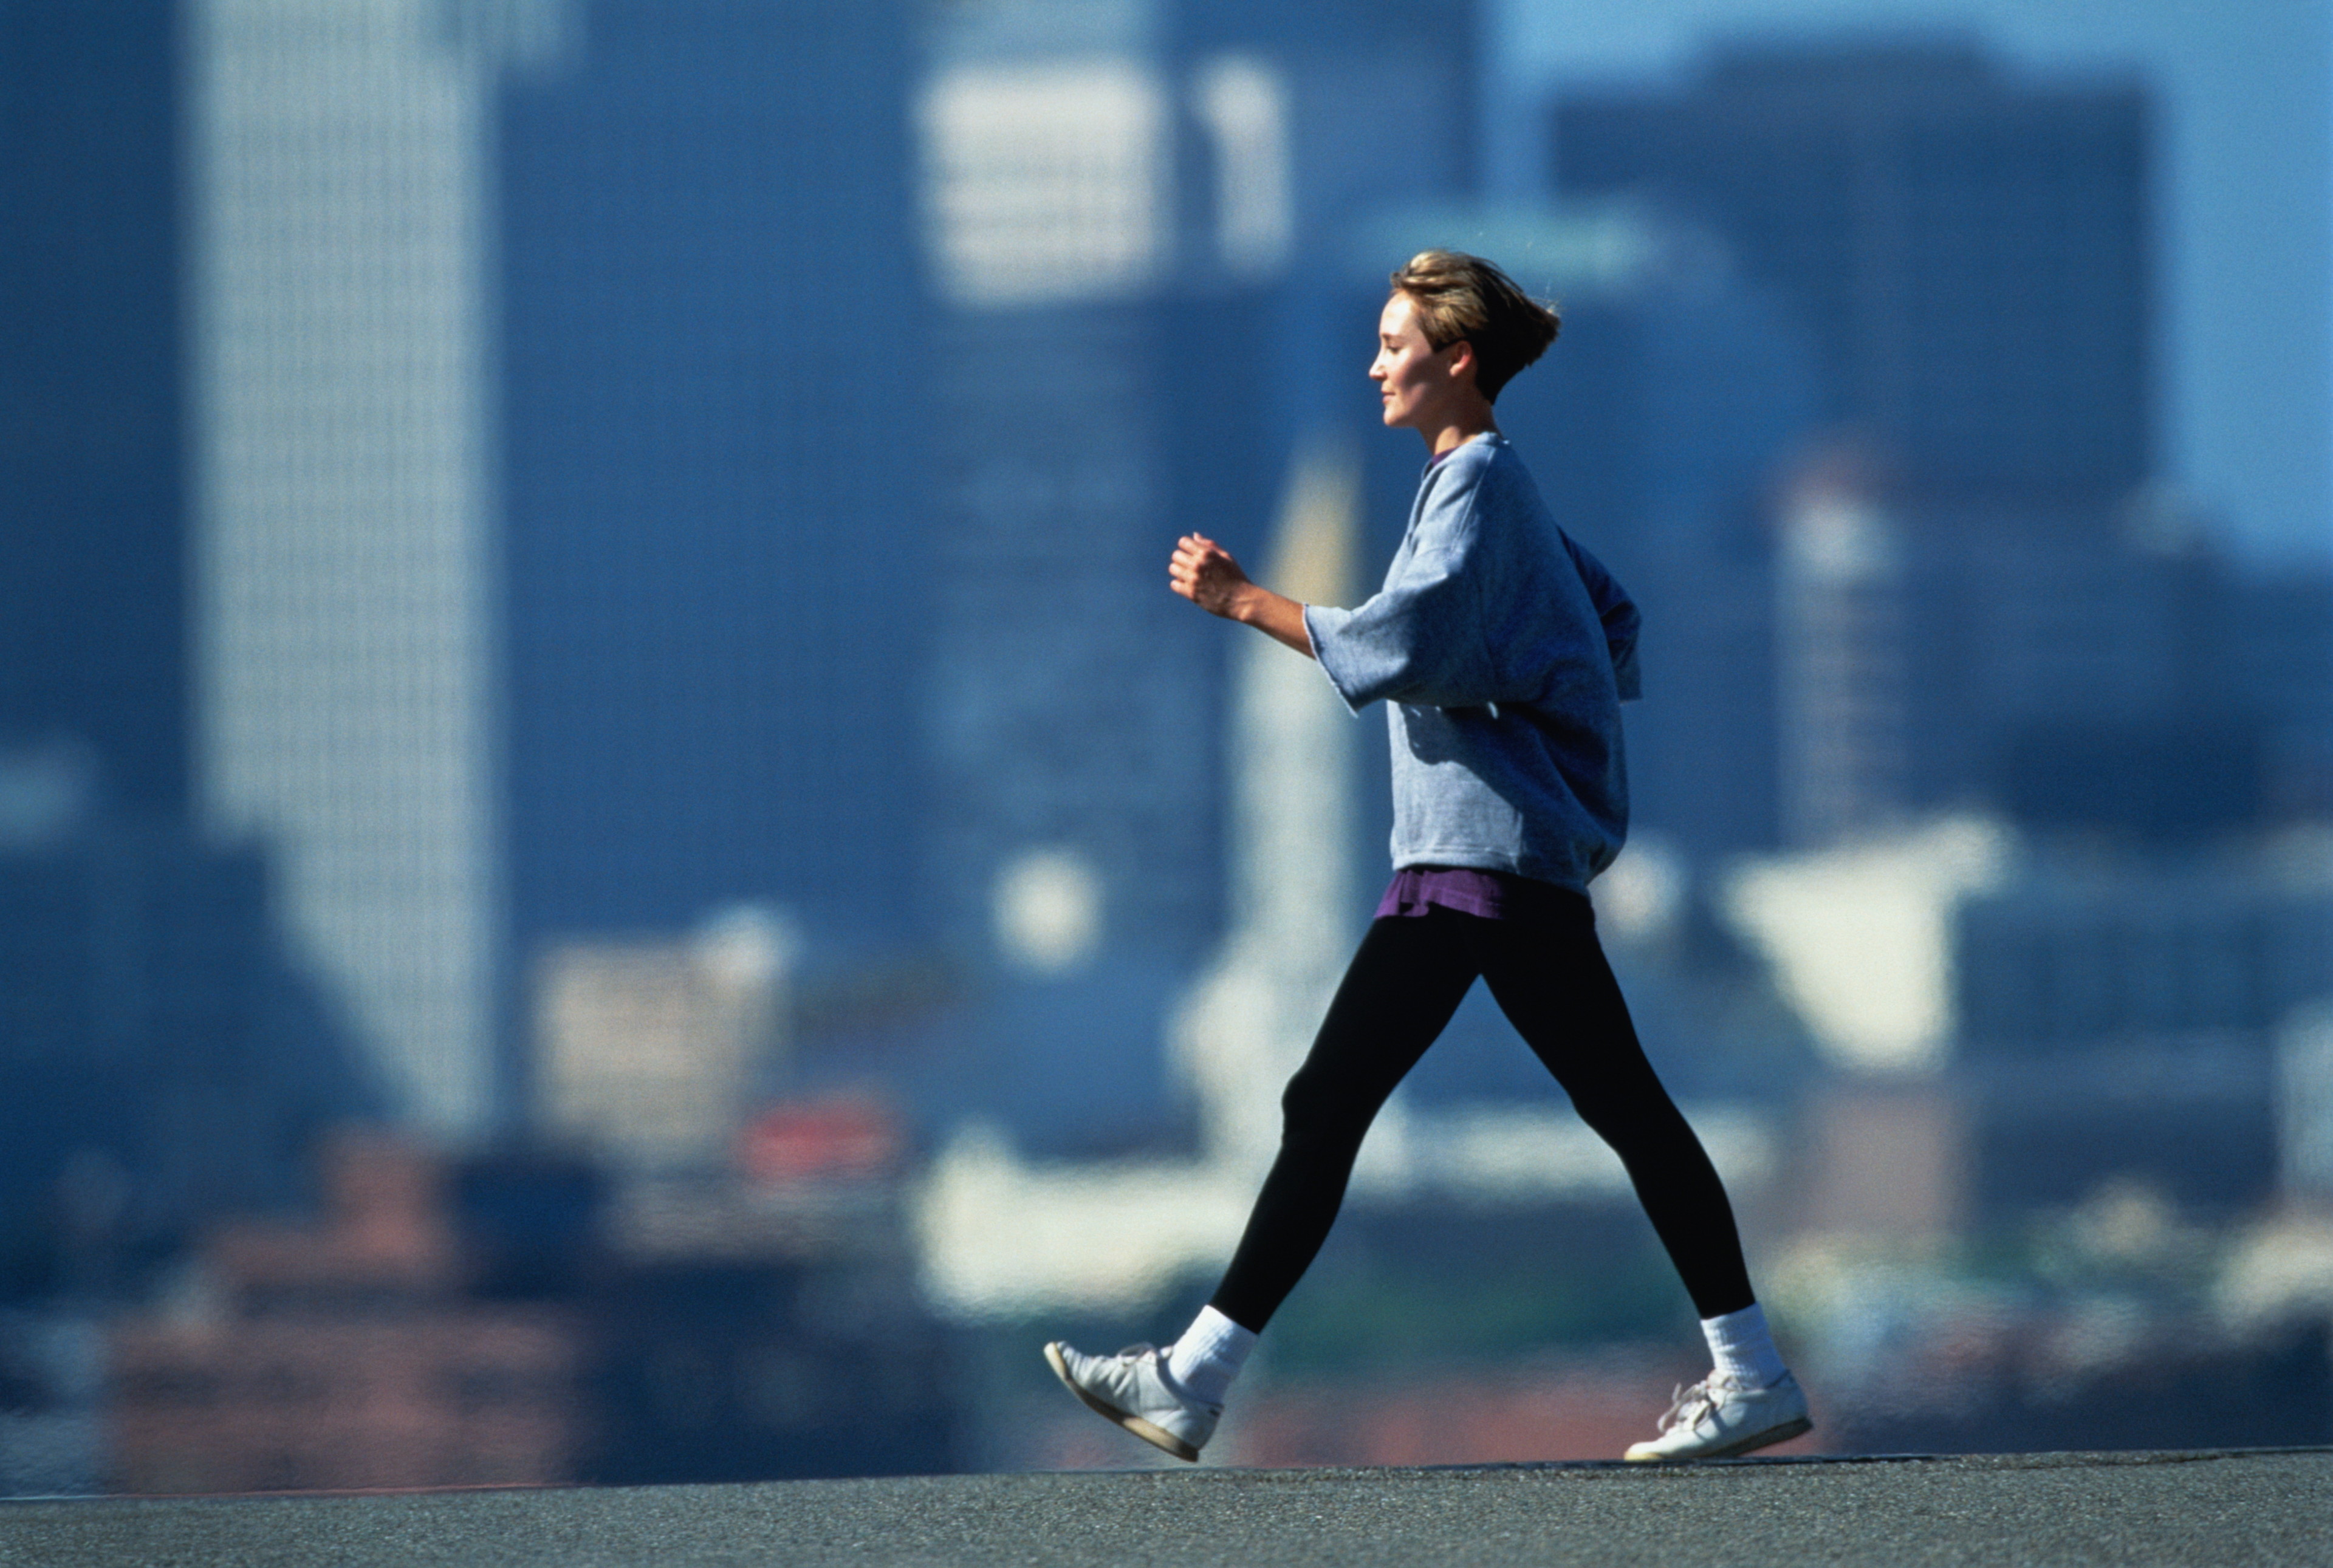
x=1502, y=651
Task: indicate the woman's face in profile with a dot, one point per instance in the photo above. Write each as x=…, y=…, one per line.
x=1416, y=382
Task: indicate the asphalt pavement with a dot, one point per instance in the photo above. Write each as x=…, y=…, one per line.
x=2212, y=1510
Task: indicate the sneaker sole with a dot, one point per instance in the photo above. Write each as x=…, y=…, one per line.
x=1734, y=1450
x=1157, y=1437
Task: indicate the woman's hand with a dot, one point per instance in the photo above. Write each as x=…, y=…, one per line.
x=1204, y=572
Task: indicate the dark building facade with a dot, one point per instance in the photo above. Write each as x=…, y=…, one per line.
x=710, y=455
x=2119, y=1022
x=160, y=1054
x=1970, y=252
x=161, y=1059
x=92, y=495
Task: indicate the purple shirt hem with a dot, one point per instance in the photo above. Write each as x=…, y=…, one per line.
x=1469, y=891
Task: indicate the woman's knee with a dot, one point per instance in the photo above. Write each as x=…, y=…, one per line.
x=1315, y=1111
x=1628, y=1108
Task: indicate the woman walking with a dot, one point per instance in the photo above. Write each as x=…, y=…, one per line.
x=1502, y=652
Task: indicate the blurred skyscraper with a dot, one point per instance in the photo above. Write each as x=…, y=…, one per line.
x=92, y=368
x=343, y=600
x=1839, y=654
x=162, y=1054
x=713, y=384
x=1972, y=253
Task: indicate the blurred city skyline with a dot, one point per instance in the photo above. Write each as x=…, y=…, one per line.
x=588, y=596
x=2244, y=193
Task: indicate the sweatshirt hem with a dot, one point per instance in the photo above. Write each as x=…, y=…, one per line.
x=1480, y=859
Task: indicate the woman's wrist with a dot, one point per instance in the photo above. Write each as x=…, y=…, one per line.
x=1253, y=604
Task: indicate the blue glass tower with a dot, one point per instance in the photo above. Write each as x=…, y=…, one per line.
x=710, y=388
x=92, y=503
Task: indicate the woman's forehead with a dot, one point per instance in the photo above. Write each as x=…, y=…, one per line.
x=1400, y=317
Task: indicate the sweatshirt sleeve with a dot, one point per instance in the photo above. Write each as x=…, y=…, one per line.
x=1418, y=640
x=1618, y=613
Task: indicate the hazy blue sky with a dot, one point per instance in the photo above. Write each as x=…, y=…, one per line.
x=2245, y=194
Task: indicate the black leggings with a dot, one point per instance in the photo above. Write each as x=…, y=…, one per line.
x=1551, y=981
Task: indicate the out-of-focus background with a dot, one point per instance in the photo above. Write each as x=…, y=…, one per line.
x=617, y=866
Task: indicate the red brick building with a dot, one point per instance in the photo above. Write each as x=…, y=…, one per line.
x=343, y=1355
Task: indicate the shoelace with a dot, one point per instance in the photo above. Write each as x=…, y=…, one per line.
x=1688, y=1405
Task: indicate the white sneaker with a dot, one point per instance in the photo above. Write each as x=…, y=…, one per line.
x=1721, y=1415
x=1131, y=1389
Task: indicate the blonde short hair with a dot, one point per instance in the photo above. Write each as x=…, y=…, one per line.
x=1461, y=297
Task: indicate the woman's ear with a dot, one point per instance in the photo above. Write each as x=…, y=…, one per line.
x=1463, y=364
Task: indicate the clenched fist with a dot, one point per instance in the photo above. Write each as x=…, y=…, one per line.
x=1204, y=572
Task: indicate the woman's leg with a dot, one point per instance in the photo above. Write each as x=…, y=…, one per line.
x=1403, y=985
x=1555, y=986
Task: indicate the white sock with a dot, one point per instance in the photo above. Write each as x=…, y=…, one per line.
x=1741, y=1347
x=1209, y=1355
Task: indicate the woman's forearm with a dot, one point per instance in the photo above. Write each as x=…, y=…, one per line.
x=1275, y=615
